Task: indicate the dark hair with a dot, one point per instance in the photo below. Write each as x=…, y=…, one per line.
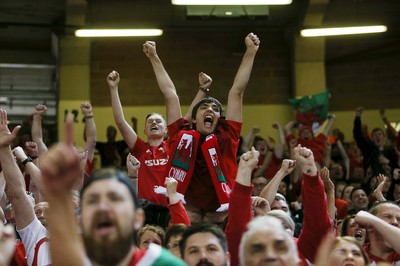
x=257, y=139
x=175, y=230
x=355, y=189
x=346, y=220
x=203, y=228
x=112, y=173
x=203, y=101
x=378, y=129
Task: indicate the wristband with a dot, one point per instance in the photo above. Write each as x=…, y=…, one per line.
x=88, y=116
x=34, y=157
x=27, y=160
x=204, y=89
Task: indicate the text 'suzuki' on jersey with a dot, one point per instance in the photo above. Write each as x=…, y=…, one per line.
x=156, y=162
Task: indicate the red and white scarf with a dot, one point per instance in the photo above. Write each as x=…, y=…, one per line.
x=182, y=163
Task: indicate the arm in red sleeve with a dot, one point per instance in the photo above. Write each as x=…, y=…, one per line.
x=316, y=223
x=178, y=213
x=239, y=215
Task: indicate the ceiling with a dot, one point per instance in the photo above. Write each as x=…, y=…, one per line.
x=29, y=28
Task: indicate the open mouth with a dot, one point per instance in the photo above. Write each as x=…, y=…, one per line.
x=358, y=235
x=208, y=120
x=104, y=227
x=154, y=128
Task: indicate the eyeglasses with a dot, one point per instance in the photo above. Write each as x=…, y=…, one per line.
x=173, y=245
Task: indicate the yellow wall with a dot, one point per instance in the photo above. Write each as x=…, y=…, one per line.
x=262, y=116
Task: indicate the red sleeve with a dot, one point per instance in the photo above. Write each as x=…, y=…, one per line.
x=178, y=214
x=138, y=148
x=316, y=222
x=177, y=126
x=239, y=214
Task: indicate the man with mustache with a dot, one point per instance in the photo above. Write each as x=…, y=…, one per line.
x=110, y=214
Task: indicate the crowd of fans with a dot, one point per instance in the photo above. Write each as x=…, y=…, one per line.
x=196, y=193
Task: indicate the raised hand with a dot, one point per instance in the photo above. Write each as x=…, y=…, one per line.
x=60, y=166
x=287, y=166
x=252, y=42
x=113, y=79
x=249, y=159
x=325, y=176
x=305, y=159
x=149, y=48
x=7, y=243
x=205, y=81
x=32, y=149
x=86, y=109
x=171, y=184
x=19, y=153
x=40, y=110
x=6, y=137
x=378, y=190
x=132, y=165
x=359, y=110
x=260, y=206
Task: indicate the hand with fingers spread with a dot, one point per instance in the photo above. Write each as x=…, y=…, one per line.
x=378, y=190
x=113, y=80
x=6, y=136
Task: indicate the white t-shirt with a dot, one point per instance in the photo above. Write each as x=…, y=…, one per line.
x=31, y=235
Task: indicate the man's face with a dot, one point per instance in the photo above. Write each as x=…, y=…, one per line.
x=306, y=134
x=173, y=245
x=336, y=172
x=41, y=210
x=269, y=247
x=279, y=205
x=107, y=220
x=378, y=138
x=111, y=133
x=204, y=249
x=261, y=146
x=258, y=184
x=390, y=213
x=359, y=199
x=207, y=118
x=155, y=126
x=339, y=189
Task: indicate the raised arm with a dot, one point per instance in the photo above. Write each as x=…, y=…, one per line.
x=330, y=191
x=133, y=165
x=90, y=130
x=31, y=168
x=165, y=83
x=235, y=96
x=329, y=125
x=345, y=158
x=247, y=140
x=390, y=233
x=280, y=146
x=240, y=203
x=176, y=208
x=37, y=135
x=205, y=82
x=22, y=206
x=271, y=188
x=61, y=170
x=126, y=130
x=390, y=131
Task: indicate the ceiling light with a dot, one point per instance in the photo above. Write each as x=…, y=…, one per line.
x=342, y=31
x=118, y=32
x=230, y=2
